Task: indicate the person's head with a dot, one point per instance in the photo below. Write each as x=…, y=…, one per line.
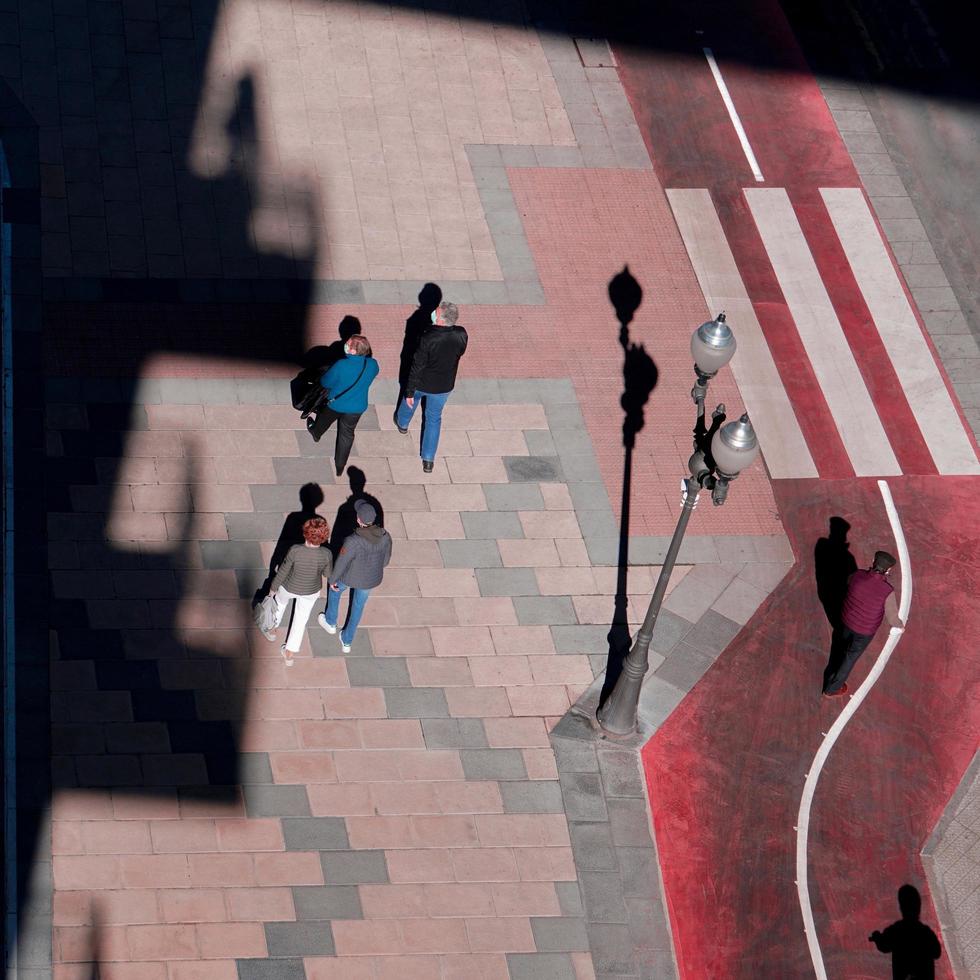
x=358, y=346
x=445, y=314
x=316, y=531
x=366, y=514
x=883, y=562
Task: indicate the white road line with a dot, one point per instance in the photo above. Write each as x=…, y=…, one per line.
x=733, y=115
x=923, y=385
x=783, y=445
x=810, y=786
x=826, y=346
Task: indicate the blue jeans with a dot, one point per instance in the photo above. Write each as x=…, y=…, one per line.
x=358, y=600
x=431, y=420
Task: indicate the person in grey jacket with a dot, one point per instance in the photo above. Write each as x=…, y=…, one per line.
x=360, y=567
x=299, y=578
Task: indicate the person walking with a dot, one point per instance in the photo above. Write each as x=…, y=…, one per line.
x=433, y=377
x=299, y=578
x=359, y=567
x=346, y=383
x=868, y=594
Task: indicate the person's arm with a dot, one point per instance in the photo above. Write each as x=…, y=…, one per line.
x=419, y=361
x=387, y=549
x=330, y=376
x=285, y=567
x=466, y=340
x=343, y=563
x=891, y=612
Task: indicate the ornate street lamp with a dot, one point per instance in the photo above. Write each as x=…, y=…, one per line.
x=720, y=454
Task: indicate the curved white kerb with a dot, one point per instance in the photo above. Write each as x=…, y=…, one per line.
x=810, y=786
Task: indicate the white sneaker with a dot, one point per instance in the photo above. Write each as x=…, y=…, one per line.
x=322, y=620
x=344, y=646
x=270, y=635
x=286, y=655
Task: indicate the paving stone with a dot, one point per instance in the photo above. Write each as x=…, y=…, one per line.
x=324, y=644
x=314, y=833
x=648, y=923
x=711, y=634
x=602, y=893
x=418, y=702
x=354, y=867
x=629, y=822
x=541, y=966
x=685, y=666
x=493, y=764
x=454, y=733
x=575, y=756
x=470, y=554
x=559, y=935
x=299, y=939
x=621, y=774
x=670, y=629
x=330, y=902
x=513, y=496
x=534, y=469
x=492, y=525
x=276, y=801
x=378, y=672
x=536, y=796
x=582, y=792
x=581, y=639
x=569, y=898
x=593, y=847
x=254, y=767
x=231, y=554
x=291, y=969
x=544, y=610
x=639, y=870
x=613, y=953
x=658, y=699
x=297, y=470
x=253, y=527
x=507, y=581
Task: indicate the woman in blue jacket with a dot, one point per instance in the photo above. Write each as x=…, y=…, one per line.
x=346, y=383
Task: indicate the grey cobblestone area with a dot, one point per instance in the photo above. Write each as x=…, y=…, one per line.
x=930, y=288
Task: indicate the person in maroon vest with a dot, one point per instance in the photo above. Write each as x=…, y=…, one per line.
x=868, y=592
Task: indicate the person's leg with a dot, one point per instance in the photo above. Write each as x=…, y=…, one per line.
x=358, y=600
x=854, y=645
x=301, y=616
x=432, y=424
x=324, y=419
x=282, y=598
x=404, y=412
x=333, y=604
x=346, y=424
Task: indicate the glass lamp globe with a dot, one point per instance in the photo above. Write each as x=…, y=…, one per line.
x=713, y=345
x=734, y=447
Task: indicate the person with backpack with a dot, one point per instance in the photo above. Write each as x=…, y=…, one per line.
x=359, y=567
x=299, y=578
x=345, y=384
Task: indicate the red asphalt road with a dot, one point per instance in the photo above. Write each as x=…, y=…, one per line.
x=726, y=771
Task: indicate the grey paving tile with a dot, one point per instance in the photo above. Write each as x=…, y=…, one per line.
x=569, y=898
x=291, y=969
x=253, y=527
x=581, y=639
x=580, y=468
x=573, y=755
x=629, y=822
x=639, y=871
x=658, y=699
x=597, y=523
x=669, y=631
x=275, y=498
x=544, y=610
x=454, y=733
x=621, y=774
x=524, y=290
x=492, y=525
x=540, y=442
x=417, y=702
x=582, y=792
x=262, y=391
x=544, y=391
x=507, y=581
x=559, y=935
x=254, y=767
x=590, y=497
x=648, y=923
x=297, y=470
x=540, y=966
x=314, y=833
x=535, y=796
x=711, y=634
x=518, y=156
x=276, y=801
x=477, y=391
x=513, y=496
x=330, y=291
x=299, y=939
x=378, y=672
x=613, y=953
x=354, y=867
x=381, y=292
x=501, y=764
x=533, y=469
x=470, y=554
x=327, y=902
x=564, y=415
x=593, y=847
x=602, y=893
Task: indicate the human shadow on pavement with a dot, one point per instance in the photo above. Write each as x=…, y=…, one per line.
x=833, y=565
x=321, y=358
x=310, y=498
x=345, y=523
x=914, y=947
x=639, y=379
x=418, y=322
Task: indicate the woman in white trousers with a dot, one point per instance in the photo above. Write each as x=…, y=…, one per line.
x=300, y=577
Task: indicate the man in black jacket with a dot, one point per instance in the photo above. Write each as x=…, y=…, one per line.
x=432, y=378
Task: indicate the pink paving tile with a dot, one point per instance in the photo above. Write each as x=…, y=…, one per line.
x=525, y=898
x=456, y=641
x=475, y=966
x=303, y=767
x=328, y=800
x=500, y=671
x=339, y=968
x=498, y=443
x=212, y=970
x=572, y=551
x=545, y=863
x=422, y=525
x=241, y=940
x=182, y=836
x=289, y=868
x=221, y=870
x=456, y=497
x=391, y=733
x=392, y=901
x=458, y=899
x=538, y=700
x=556, y=496
x=478, y=469
x=518, y=417
x=433, y=935
x=401, y=799
x=516, y=732
x=380, y=832
x=354, y=938
x=448, y=582
x=566, y=581
x=469, y=797
x=185, y=905
x=484, y=864
x=164, y=942
x=155, y=871
x=403, y=642
x=522, y=639
x=419, y=865
x=456, y=830
x=485, y=611
x=260, y=904
x=440, y=672
x=329, y=734
x=522, y=553
x=549, y=524
x=522, y=830
x=365, y=702
x=510, y=935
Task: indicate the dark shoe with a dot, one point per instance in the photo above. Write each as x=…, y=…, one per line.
x=309, y=426
x=394, y=418
x=340, y=470
x=427, y=465
x=836, y=694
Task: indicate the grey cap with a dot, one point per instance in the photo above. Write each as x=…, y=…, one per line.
x=366, y=513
